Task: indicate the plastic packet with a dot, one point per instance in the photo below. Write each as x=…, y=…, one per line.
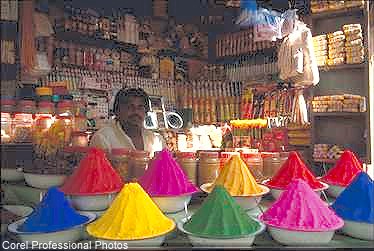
x=268, y=27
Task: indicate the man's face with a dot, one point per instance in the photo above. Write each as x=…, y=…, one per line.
x=133, y=112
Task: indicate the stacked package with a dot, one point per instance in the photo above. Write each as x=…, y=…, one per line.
x=339, y=103
x=336, y=5
x=319, y=6
x=299, y=134
x=354, y=3
x=336, y=48
x=354, y=46
x=320, y=49
x=325, y=151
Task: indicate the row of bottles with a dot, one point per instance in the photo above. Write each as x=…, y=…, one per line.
x=239, y=43
x=211, y=102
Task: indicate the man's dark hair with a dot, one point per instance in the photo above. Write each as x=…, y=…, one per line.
x=123, y=95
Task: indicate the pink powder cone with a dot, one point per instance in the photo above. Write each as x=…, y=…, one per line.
x=164, y=177
x=299, y=208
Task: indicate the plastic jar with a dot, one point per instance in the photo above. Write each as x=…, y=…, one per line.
x=138, y=164
x=255, y=165
x=225, y=156
x=120, y=158
x=208, y=167
x=79, y=139
x=23, y=121
x=188, y=162
x=65, y=108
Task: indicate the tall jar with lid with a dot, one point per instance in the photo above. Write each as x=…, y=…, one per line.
x=120, y=158
x=64, y=114
x=23, y=121
x=44, y=116
x=7, y=108
x=188, y=162
x=138, y=164
x=273, y=162
x=208, y=167
x=255, y=165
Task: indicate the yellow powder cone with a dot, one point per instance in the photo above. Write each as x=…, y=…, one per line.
x=237, y=179
x=132, y=216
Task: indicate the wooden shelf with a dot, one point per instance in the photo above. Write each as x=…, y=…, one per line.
x=342, y=67
x=337, y=114
x=338, y=13
x=175, y=53
x=234, y=58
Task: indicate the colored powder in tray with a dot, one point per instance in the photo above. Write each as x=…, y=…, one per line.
x=344, y=171
x=299, y=208
x=52, y=214
x=356, y=202
x=132, y=216
x=221, y=217
x=95, y=175
x=293, y=168
x=237, y=179
x=164, y=177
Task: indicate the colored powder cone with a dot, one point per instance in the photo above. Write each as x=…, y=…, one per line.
x=132, y=216
x=53, y=213
x=220, y=216
x=299, y=208
x=344, y=171
x=293, y=168
x=237, y=179
x=356, y=202
x=164, y=177
x=95, y=175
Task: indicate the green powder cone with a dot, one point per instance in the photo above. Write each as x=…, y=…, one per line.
x=221, y=217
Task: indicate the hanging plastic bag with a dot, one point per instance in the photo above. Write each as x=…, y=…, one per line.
x=248, y=15
x=289, y=18
x=268, y=25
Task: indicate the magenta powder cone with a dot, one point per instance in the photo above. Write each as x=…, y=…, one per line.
x=300, y=209
x=164, y=177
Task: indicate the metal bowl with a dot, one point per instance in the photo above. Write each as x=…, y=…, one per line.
x=11, y=174
x=98, y=202
x=202, y=241
x=64, y=236
x=300, y=238
x=335, y=190
x=21, y=211
x=277, y=192
x=44, y=181
x=172, y=204
x=360, y=230
x=146, y=242
x=247, y=202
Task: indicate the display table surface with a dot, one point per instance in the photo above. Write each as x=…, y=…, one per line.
x=21, y=194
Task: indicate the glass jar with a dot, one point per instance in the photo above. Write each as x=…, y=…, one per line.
x=188, y=162
x=208, y=167
x=23, y=121
x=44, y=116
x=65, y=108
x=138, y=164
x=255, y=164
x=120, y=158
x=7, y=108
x=67, y=122
x=272, y=163
x=79, y=139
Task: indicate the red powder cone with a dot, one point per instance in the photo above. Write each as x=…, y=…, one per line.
x=293, y=168
x=95, y=175
x=344, y=171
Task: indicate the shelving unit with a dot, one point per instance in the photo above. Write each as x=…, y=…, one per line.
x=347, y=129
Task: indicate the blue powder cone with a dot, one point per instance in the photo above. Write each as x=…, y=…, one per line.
x=356, y=202
x=53, y=213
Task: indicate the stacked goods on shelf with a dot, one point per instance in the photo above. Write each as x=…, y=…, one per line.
x=238, y=43
x=128, y=29
x=9, y=10
x=8, y=55
x=320, y=49
x=299, y=134
x=336, y=48
x=339, y=103
x=325, y=151
x=354, y=46
x=318, y=6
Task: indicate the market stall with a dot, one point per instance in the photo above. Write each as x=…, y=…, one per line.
x=261, y=111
